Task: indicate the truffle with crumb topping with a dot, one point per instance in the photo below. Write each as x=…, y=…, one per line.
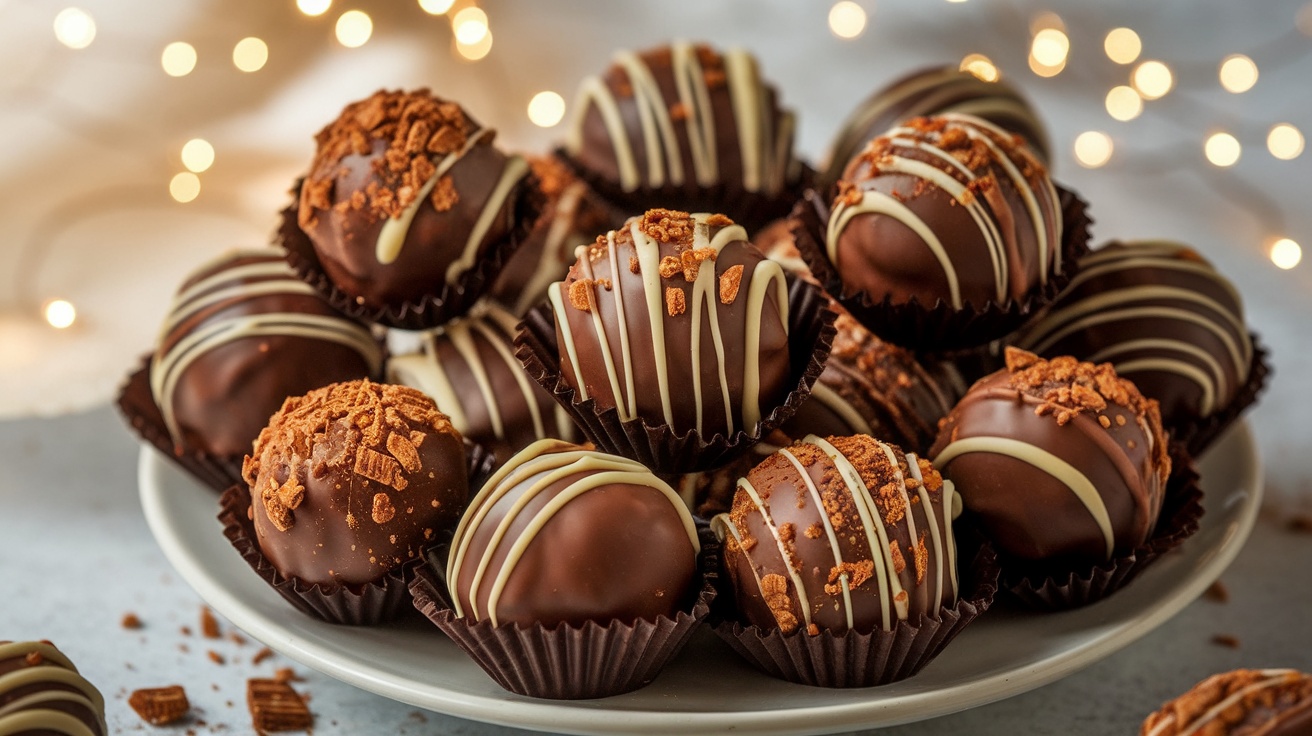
x=1268, y=702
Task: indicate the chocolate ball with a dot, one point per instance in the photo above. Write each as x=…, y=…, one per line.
x=676, y=320
x=840, y=534
x=565, y=534
x=42, y=693
x=683, y=116
x=948, y=209
x=934, y=91
x=1163, y=316
x=353, y=480
x=242, y=335
x=468, y=367
x=406, y=193
x=1058, y=460
x=1267, y=702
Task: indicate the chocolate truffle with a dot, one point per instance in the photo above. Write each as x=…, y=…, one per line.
x=683, y=116
x=934, y=91
x=676, y=320
x=1057, y=459
x=1163, y=316
x=353, y=480
x=565, y=534
x=840, y=534
x=42, y=693
x=1266, y=702
x=242, y=335
x=948, y=209
x=468, y=367
x=406, y=193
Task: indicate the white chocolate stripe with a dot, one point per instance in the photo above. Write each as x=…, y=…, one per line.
x=426, y=372
x=1212, y=385
x=625, y=404
x=765, y=274
x=1276, y=677
x=1102, y=262
x=236, y=293
x=854, y=135
x=567, y=335
x=43, y=721
x=501, y=344
x=942, y=557
x=594, y=90
x=744, y=94
x=906, y=499
x=799, y=585
x=556, y=247
x=617, y=293
x=515, y=170
x=690, y=80
x=829, y=533
x=37, y=710
x=270, y=268
x=830, y=399
x=657, y=127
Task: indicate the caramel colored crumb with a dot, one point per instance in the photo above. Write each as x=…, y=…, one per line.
x=444, y=195
x=1301, y=523
x=1229, y=641
x=675, y=303
x=775, y=589
x=383, y=510
x=669, y=266
x=209, y=626
x=130, y=621
x=286, y=674
x=667, y=226
x=730, y=281
x=215, y=657
x=262, y=655
x=160, y=706
x=580, y=295
x=275, y=707
x=1217, y=592
x=33, y=659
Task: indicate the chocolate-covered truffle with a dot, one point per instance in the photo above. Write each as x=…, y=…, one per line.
x=468, y=367
x=242, y=335
x=947, y=209
x=839, y=534
x=41, y=693
x=1163, y=316
x=1057, y=459
x=406, y=193
x=934, y=91
x=676, y=319
x=1266, y=702
x=353, y=480
x=565, y=534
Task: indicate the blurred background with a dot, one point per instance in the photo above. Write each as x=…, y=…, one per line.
x=138, y=138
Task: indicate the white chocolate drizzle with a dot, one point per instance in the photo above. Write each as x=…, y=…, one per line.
x=58, y=686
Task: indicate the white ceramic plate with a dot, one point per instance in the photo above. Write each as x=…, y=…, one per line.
x=707, y=688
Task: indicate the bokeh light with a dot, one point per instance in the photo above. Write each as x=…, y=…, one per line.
x=1122, y=45
x=1285, y=253
x=75, y=28
x=981, y=66
x=1285, y=142
x=184, y=186
x=474, y=52
x=847, y=19
x=1123, y=103
x=250, y=54
x=1050, y=47
x=1152, y=79
x=1093, y=149
x=197, y=155
x=354, y=27
x=60, y=313
x=314, y=7
x=1222, y=149
x=436, y=7
x=1238, y=73
x=470, y=26
x=546, y=109
x=178, y=59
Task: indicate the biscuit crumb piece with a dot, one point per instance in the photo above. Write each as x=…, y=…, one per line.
x=580, y=295
x=1217, y=592
x=130, y=621
x=1226, y=640
x=730, y=281
x=675, y=303
x=275, y=707
x=1301, y=523
x=209, y=626
x=215, y=657
x=160, y=706
x=287, y=674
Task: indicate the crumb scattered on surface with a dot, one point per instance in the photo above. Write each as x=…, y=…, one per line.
x=1217, y=592
x=130, y=621
x=1229, y=641
x=160, y=706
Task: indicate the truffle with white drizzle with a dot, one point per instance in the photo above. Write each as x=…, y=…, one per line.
x=41, y=692
x=1273, y=702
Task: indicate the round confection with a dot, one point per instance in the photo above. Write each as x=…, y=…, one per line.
x=468, y=367
x=935, y=91
x=571, y=217
x=565, y=534
x=1057, y=459
x=406, y=193
x=1266, y=702
x=839, y=534
x=676, y=319
x=872, y=387
x=683, y=115
x=41, y=693
x=243, y=333
x=1163, y=316
x=353, y=480
x=949, y=209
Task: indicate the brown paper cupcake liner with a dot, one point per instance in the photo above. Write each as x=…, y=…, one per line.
x=659, y=447
x=857, y=659
x=350, y=605
x=938, y=328
x=570, y=662
x=448, y=302
x=137, y=405
x=1181, y=510
x=1198, y=436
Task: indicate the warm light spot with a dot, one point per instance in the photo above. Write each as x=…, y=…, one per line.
x=1123, y=103
x=314, y=7
x=354, y=27
x=1050, y=47
x=1222, y=149
x=1122, y=45
x=1152, y=79
x=1093, y=149
x=1238, y=73
x=1285, y=253
x=250, y=54
x=847, y=19
x=1285, y=142
x=474, y=52
x=178, y=59
x=981, y=66
x=1046, y=19
x=1043, y=70
x=956, y=1
x=197, y=155
x=470, y=26
x=436, y=7
x=75, y=28
x=546, y=109
x=61, y=314
x=1304, y=20
x=184, y=186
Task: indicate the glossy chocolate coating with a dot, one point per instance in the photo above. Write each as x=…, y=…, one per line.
x=242, y=335
x=565, y=534
x=42, y=694
x=632, y=306
x=1057, y=459
x=945, y=209
x=353, y=480
x=396, y=155
x=1266, y=702
x=838, y=534
x=468, y=367
x=1163, y=316
x=934, y=91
